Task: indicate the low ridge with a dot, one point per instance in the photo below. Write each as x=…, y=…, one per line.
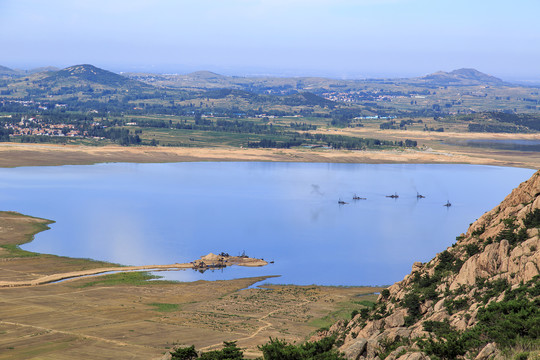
x=206, y=75
x=42, y=69
x=462, y=77
x=5, y=71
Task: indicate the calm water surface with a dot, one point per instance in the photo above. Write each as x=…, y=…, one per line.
x=287, y=212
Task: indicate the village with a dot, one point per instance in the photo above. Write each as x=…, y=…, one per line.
x=36, y=126
x=360, y=96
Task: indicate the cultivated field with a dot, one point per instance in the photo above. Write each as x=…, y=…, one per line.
x=431, y=150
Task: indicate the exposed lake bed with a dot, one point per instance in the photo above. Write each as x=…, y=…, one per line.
x=527, y=145
x=142, y=214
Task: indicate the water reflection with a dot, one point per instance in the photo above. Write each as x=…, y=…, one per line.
x=141, y=214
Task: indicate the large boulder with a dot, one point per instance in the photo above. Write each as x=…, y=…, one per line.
x=489, y=351
x=414, y=356
x=397, y=319
x=355, y=349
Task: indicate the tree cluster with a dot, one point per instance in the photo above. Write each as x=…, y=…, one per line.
x=275, y=349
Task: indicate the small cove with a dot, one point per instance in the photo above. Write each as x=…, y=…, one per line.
x=142, y=214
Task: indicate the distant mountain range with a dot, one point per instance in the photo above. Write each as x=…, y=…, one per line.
x=456, y=77
x=86, y=86
x=90, y=73
x=92, y=82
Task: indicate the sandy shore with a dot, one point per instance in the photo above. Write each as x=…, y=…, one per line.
x=13, y=155
x=434, y=135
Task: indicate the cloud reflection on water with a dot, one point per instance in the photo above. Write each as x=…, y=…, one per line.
x=166, y=213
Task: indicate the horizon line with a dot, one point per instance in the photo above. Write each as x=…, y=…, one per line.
x=284, y=73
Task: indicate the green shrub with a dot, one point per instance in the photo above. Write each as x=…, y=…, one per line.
x=387, y=346
x=472, y=249
x=411, y=302
x=532, y=219
x=479, y=231
x=448, y=262
x=455, y=305
x=439, y=328
x=364, y=313
x=495, y=288
x=431, y=293
x=409, y=321
x=506, y=321
x=185, y=353
x=510, y=323
x=279, y=349
x=449, y=348
x=509, y=233
x=230, y=351
x=380, y=311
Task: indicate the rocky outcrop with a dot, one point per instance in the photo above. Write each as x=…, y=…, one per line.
x=489, y=351
x=427, y=312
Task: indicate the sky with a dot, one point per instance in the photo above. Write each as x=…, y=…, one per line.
x=334, y=38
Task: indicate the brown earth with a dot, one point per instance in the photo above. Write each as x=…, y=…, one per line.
x=12, y=155
x=432, y=143
x=118, y=316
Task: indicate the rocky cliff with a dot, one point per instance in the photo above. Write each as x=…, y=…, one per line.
x=478, y=299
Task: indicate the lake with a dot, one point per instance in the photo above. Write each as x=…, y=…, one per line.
x=140, y=214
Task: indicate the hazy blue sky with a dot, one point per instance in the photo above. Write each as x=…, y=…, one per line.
x=340, y=38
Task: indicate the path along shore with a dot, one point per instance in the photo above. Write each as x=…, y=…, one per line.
x=210, y=261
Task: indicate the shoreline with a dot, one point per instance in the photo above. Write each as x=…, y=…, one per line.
x=10, y=250
x=18, y=155
x=231, y=261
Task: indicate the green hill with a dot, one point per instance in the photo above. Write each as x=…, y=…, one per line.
x=90, y=74
x=306, y=98
x=462, y=77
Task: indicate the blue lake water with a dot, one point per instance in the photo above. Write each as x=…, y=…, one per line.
x=140, y=214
